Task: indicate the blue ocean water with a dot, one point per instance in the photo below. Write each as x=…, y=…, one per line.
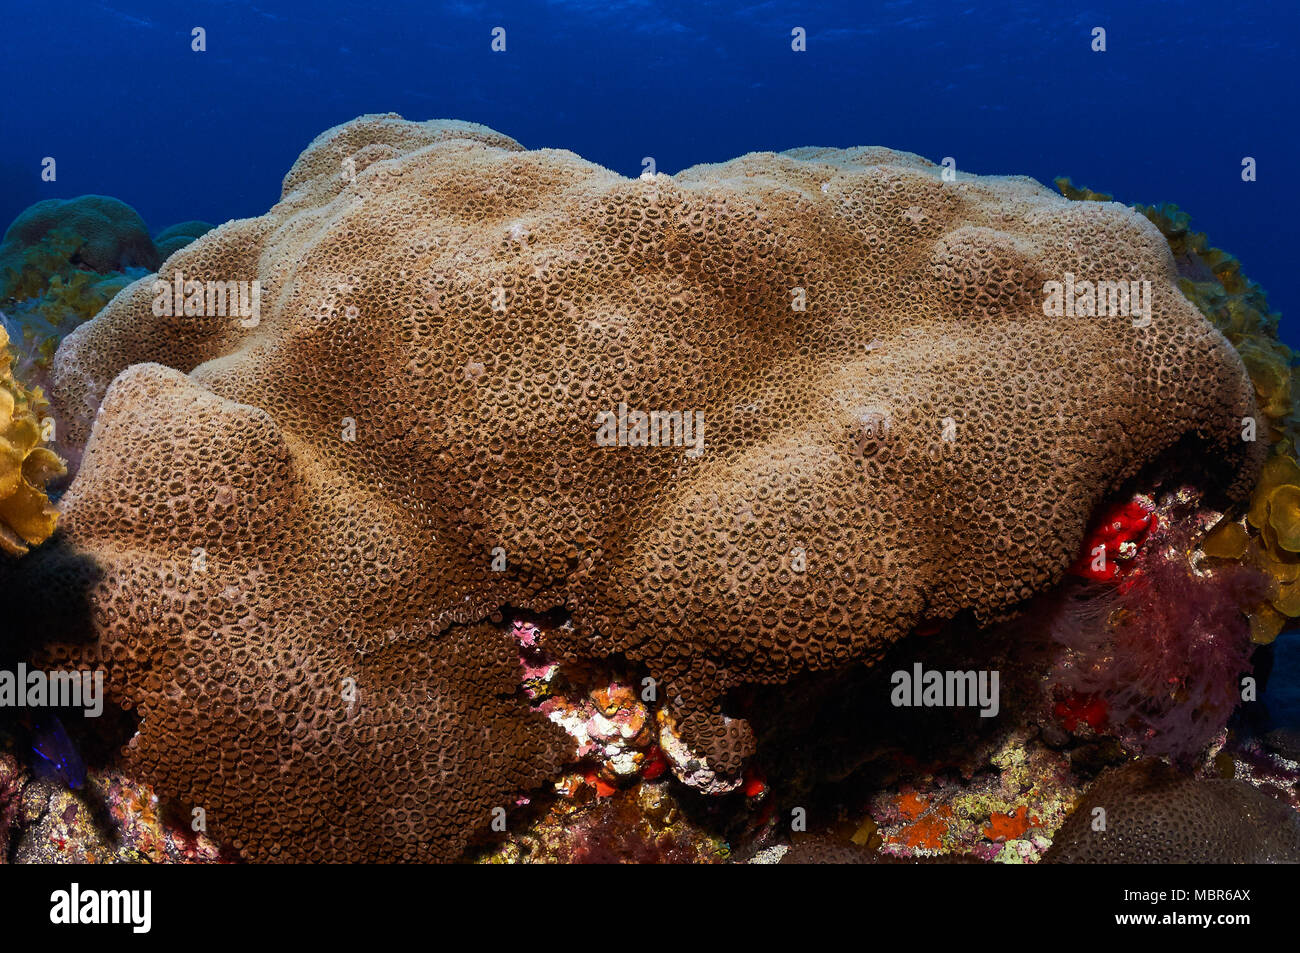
x=1183, y=91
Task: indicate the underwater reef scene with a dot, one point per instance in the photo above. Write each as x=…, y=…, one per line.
x=477, y=503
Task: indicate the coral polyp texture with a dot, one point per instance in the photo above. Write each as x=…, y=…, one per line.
x=330, y=499
x=1154, y=815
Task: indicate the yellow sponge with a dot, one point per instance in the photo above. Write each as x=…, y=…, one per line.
x=26, y=515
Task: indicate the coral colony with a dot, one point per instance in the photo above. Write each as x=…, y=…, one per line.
x=383, y=526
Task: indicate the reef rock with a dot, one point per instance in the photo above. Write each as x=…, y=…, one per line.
x=336, y=487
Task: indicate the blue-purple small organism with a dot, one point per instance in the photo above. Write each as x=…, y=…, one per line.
x=56, y=755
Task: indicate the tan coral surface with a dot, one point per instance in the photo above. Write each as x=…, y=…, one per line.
x=320, y=497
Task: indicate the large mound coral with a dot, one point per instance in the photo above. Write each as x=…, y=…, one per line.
x=887, y=428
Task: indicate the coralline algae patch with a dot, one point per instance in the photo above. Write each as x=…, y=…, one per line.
x=619, y=724
x=1005, y=813
x=645, y=823
x=1247, y=758
x=113, y=819
x=635, y=791
x=614, y=730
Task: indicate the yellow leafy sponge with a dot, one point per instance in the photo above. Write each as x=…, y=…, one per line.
x=26, y=515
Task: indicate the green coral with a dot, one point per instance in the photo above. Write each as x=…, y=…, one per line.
x=27, y=274
x=175, y=237
x=41, y=322
x=91, y=233
x=53, y=277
